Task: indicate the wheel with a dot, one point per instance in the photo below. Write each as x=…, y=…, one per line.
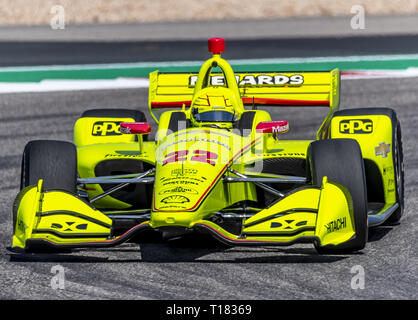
x=341, y=161
x=53, y=161
x=136, y=195
x=137, y=115
x=398, y=166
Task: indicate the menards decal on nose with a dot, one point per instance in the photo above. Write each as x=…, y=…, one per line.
x=242, y=80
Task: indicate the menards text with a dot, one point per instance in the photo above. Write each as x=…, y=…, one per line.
x=253, y=80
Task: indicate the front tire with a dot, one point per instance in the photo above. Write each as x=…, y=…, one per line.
x=399, y=174
x=376, y=188
x=53, y=161
x=342, y=162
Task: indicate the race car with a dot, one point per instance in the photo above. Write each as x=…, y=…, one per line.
x=217, y=166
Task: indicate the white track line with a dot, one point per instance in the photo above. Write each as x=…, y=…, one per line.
x=379, y=74
x=132, y=83
x=393, y=57
x=73, y=85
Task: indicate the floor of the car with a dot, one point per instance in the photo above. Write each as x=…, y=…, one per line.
x=374, y=207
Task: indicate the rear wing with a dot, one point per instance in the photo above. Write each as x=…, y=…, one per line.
x=316, y=88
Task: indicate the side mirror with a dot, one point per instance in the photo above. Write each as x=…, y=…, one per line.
x=275, y=127
x=135, y=128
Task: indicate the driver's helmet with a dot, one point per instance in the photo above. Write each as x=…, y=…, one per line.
x=214, y=107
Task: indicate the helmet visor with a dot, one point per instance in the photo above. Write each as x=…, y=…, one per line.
x=214, y=116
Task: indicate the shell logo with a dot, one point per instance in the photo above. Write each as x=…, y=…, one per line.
x=175, y=199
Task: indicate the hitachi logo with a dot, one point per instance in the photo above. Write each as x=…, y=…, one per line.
x=336, y=225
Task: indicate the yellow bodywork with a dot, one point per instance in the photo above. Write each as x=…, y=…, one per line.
x=95, y=129
x=190, y=165
x=321, y=215
x=374, y=135
x=180, y=90
x=308, y=212
x=58, y=217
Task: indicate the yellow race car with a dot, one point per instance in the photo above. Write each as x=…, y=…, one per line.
x=217, y=165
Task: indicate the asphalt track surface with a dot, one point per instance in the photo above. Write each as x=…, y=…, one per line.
x=202, y=268
x=15, y=53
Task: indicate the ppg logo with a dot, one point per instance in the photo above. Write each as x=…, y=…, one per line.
x=356, y=126
x=106, y=128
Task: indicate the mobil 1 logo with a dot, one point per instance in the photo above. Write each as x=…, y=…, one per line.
x=356, y=126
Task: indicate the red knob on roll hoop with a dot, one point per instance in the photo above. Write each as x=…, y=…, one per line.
x=216, y=45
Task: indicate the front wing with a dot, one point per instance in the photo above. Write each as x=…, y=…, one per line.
x=56, y=219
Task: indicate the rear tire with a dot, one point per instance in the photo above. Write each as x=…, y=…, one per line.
x=53, y=161
x=398, y=166
x=397, y=154
x=136, y=195
x=341, y=161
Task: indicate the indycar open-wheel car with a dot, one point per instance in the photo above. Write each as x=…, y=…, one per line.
x=216, y=166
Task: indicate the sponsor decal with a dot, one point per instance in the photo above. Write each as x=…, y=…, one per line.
x=178, y=189
x=391, y=185
x=280, y=129
x=356, y=126
x=125, y=154
x=172, y=206
x=175, y=199
x=126, y=130
x=81, y=226
x=21, y=226
x=198, y=155
x=388, y=171
x=285, y=154
x=288, y=224
x=106, y=128
x=183, y=180
x=382, y=149
x=253, y=80
x=336, y=225
x=184, y=172
x=197, y=139
x=275, y=225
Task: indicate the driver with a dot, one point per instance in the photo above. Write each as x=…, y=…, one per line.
x=213, y=109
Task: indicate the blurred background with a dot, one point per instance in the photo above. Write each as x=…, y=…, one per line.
x=37, y=12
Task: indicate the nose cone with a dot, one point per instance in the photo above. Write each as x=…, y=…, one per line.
x=189, y=166
x=181, y=184
x=174, y=218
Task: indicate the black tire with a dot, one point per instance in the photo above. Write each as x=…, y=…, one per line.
x=137, y=195
x=137, y=115
x=399, y=174
x=342, y=162
x=53, y=161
